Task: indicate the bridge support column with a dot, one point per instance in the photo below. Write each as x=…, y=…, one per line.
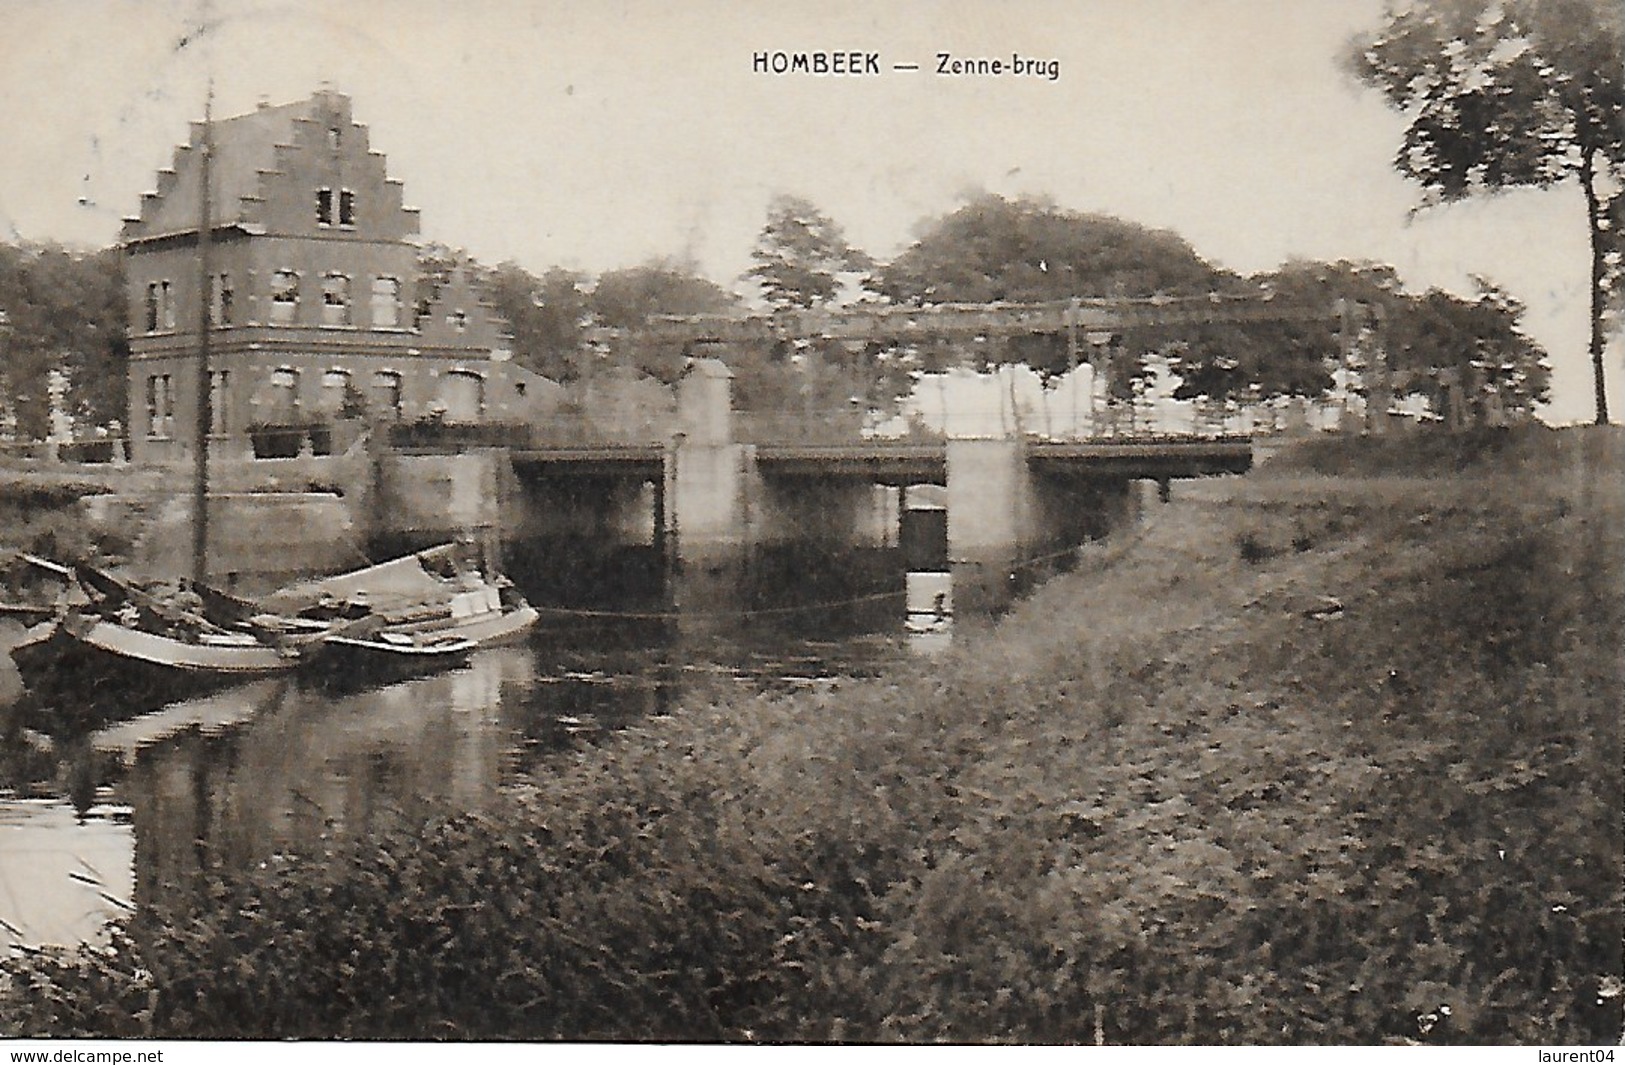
x=990, y=521
x=709, y=483
x=421, y=499
x=710, y=534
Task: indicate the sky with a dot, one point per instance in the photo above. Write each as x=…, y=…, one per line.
x=601, y=135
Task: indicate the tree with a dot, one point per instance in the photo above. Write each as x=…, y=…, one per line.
x=62, y=311
x=1298, y=357
x=1514, y=93
x=1427, y=339
x=1027, y=251
x=995, y=250
x=628, y=299
x=802, y=256
x=1478, y=342
x=547, y=316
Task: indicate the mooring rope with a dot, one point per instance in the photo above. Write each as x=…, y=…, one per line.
x=678, y=615
x=804, y=608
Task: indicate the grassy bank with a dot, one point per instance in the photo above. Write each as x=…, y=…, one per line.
x=1315, y=756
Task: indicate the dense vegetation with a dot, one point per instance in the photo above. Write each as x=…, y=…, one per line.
x=1309, y=759
x=61, y=310
x=1501, y=94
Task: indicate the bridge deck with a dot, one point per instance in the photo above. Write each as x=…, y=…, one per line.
x=894, y=461
x=1147, y=458
x=915, y=462
x=615, y=460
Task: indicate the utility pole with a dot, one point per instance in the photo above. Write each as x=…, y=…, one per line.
x=1345, y=344
x=205, y=401
x=1379, y=393
x=1072, y=358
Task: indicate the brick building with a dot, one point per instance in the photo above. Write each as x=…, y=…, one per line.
x=321, y=315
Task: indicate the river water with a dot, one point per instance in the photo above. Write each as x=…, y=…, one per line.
x=141, y=808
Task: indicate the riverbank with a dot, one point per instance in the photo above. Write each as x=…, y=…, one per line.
x=1325, y=754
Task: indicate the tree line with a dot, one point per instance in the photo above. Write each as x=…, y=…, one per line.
x=1022, y=251
x=64, y=312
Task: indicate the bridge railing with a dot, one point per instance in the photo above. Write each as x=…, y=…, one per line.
x=580, y=430
x=767, y=428
x=843, y=426
x=553, y=431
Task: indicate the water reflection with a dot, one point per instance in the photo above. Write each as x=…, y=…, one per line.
x=303, y=768
x=229, y=780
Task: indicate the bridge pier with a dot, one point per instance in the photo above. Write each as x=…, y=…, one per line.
x=1011, y=525
x=991, y=511
x=422, y=499
x=707, y=526
x=708, y=482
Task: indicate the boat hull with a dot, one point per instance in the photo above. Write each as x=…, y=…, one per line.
x=113, y=664
x=493, y=630
x=351, y=661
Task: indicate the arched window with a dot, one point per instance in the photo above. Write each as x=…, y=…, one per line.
x=284, y=297
x=386, y=302
x=335, y=386
x=285, y=385
x=464, y=396
x=335, y=300
x=386, y=395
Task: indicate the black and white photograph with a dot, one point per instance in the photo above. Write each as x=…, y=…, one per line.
x=1058, y=523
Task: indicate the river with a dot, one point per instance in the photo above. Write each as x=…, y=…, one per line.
x=141, y=808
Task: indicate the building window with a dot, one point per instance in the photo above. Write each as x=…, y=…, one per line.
x=333, y=138
x=335, y=300
x=160, y=407
x=324, y=207
x=463, y=396
x=458, y=320
x=160, y=307
x=220, y=413
x=220, y=300
x=284, y=297
x=386, y=395
x=284, y=394
x=386, y=303
x=346, y=207
x=335, y=391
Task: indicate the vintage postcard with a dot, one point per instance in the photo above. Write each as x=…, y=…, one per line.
x=1040, y=522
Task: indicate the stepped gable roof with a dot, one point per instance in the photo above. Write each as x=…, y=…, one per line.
x=247, y=148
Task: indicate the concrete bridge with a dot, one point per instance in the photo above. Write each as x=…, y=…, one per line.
x=712, y=492
x=709, y=503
